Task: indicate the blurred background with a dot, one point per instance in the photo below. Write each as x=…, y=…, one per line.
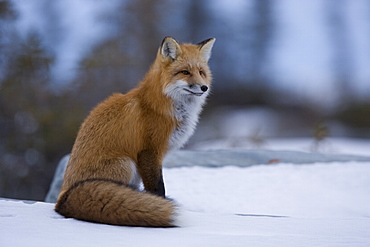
x=282, y=69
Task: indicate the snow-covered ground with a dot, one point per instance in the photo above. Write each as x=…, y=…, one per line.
x=319, y=204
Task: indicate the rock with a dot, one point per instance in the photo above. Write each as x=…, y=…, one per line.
x=56, y=184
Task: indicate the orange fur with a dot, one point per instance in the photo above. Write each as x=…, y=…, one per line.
x=132, y=132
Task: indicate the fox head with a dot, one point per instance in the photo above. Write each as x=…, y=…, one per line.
x=188, y=74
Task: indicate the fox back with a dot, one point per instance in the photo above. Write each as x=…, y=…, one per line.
x=125, y=138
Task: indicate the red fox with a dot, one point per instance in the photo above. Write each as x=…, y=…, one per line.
x=125, y=138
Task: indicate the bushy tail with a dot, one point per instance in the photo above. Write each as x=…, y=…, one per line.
x=111, y=202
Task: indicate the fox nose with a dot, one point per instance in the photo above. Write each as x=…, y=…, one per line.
x=204, y=88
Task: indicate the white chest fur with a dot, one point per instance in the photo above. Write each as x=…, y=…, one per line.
x=187, y=115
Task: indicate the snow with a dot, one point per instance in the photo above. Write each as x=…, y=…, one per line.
x=320, y=204
x=309, y=191
x=37, y=225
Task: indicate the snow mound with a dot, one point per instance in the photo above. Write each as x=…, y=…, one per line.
x=221, y=158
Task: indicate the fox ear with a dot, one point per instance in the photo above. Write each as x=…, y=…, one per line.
x=205, y=48
x=170, y=48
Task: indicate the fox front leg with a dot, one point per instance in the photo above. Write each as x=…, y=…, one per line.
x=150, y=169
x=160, y=185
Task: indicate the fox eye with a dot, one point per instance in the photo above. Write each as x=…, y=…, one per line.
x=201, y=72
x=185, y=72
